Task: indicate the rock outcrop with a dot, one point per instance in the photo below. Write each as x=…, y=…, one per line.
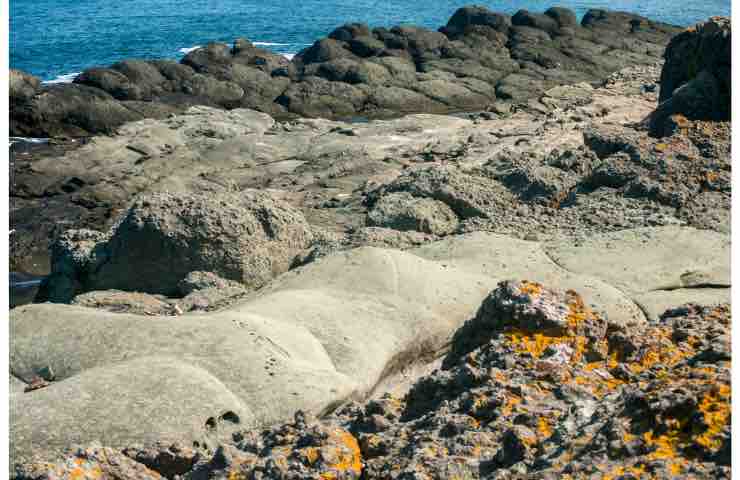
x=696, y=79
x=162, y=238
x=570, y=162
x=478, y=58
x=306, y=334
x=538, y=290
x=536, y=384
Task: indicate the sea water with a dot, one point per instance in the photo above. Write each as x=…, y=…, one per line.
x=56, y=39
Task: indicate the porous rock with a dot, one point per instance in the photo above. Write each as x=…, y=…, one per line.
x=401, y=211
x=248, y=237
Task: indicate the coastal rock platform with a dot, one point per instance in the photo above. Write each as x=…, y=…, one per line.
x=537, y=290
x=479, y=58
x=302, y=342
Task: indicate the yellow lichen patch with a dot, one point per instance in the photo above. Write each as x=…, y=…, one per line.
x=544, y=429
x=665, y=445
x=435, y=451
x=82, y=471
x=675, y=468
x=530, y=288
x=511, y=403
x=662, y=352
x=661, y=147
x=577, y=311
x=236, y=475
x=636, y=470
x=535, y=344
x=613, y=359
x=77, y=473
x=715, y=407
x=349, y=456
x=312, y=454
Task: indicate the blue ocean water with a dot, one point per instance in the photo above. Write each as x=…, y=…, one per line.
x=55, y=38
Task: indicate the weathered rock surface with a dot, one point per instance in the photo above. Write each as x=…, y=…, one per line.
x=536, y=386
x=696, y=79
x=401, y=211
x=478, y=57
x=249, y=237
x=300, y=342
x=591, y=365
x=568, y=165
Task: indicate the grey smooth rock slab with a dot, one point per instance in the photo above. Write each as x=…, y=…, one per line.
x=645, y=259
x=654, y=304
x=144, y=399
x=503, y=258
x=315, y=336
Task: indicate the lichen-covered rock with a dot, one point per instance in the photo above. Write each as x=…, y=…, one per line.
x=89, y=464
x=302, y=449
x=401, y=211
x=535, y=386
x=248, y=237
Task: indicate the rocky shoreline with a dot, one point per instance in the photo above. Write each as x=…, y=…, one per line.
x=478, y=59
x=546, y=280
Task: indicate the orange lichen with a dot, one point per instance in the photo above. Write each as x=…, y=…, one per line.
x=665, y=444
x=312, y=455
x=236, y=475
x=530, y=288
x=544, y=428
x=715, y=407
x=511, y=403
x=535, y=344
x=349, y=456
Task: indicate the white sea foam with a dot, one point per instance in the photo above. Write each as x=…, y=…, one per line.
x=27, y=283
x=66, y=78
x=289, y=56
x=188, y=49
x=269, y=44
x=13, y=140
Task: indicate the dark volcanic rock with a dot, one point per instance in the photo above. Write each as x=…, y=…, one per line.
x=695, y=81
x=477, y=57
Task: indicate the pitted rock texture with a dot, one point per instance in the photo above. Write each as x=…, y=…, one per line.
x=478, y=58
x=249, y=237
x=536, y=386
x=572, y=163
x=302, y=343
